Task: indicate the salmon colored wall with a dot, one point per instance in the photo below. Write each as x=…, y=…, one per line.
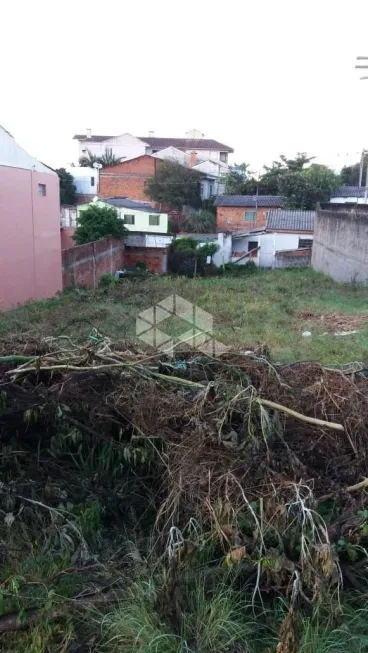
x=30, y=250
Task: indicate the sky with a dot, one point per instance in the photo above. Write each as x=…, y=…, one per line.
x=266, y=77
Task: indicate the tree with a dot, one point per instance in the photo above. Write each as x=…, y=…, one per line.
x=304, y=188
x=350, y=175
x=200, y=222
x=239, y=180
x=67, y=187
x=175, y=185
x=270, y=180
x=88, y=160
x=96, y=222
x=106, y=159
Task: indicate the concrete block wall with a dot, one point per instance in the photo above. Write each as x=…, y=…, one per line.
x=340, y=245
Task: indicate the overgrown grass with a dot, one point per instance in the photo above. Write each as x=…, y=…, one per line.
x=272, y=307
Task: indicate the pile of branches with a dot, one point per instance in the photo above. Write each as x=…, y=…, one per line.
x=267, y=462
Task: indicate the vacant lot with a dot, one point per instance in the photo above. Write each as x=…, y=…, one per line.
x=271, y=307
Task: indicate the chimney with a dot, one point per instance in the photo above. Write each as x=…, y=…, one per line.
x=89, y=133
x=151, y=133
x=192, y=159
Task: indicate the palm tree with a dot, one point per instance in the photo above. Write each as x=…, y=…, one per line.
x=88, y=160
x=108, y=158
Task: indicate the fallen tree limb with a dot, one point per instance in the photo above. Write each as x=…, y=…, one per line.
x=351, y=488
x=299, y=416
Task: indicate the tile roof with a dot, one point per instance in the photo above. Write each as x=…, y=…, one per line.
x=185, y=143
x=348, y=191
x=126, y=203
x=285, y=220
x=249, y=200
x=158, y=143
x=93, y=139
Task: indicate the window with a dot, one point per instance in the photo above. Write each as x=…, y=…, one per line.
x=250, y=216
x=305, y=242
x=154, y=220
x=223, y=157
x=252, y=247
x=129, y=218
x=42, y=189
x=92, y=181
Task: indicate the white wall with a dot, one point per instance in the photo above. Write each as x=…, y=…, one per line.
x=125, y=146
x=173, y=153
x=85, y=180
x=141, y=221
x=350, y=200
x=269, y=244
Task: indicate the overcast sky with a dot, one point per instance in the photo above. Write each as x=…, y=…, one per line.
x=264, y=76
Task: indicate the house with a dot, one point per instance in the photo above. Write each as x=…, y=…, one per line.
x=244, y=211
x=349, y=195
x=285, y=241
x=86, y=182
x=205, y=155
x=30, y=249
x=128, y=178
x=211, y=171
x=136, y=216
x=127, y=146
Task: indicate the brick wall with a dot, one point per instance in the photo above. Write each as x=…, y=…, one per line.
x=66, y=237
x=83, y=265
x=232, y=217
x=155, y=258
x=127, y=179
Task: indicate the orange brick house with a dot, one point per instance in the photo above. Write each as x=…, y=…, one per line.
x=127, y=179
x=244, y=211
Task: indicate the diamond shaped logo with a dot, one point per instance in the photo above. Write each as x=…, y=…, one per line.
x=198, y=337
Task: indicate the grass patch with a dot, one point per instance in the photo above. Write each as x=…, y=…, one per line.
x=264, y=307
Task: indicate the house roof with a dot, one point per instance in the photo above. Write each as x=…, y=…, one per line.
x=158, y=143
x=249, y=200
x=185, y=143
x=283, y=220
x=126, y=203
x=93, y=139
x=348, y=191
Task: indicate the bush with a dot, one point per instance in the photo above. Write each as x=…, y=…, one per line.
x=107, y=281
x=97, y=222
x=239, y=270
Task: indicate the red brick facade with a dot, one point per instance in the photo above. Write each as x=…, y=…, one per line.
x=127, y=179
x=230, y=218
x=155, y=258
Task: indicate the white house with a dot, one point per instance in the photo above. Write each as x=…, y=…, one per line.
x=137, y=216
x=127, y=146
x=349, y=195
x=85, y=180
x=288, y=235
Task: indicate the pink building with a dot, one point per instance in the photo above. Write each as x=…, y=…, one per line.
x=30, y=249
